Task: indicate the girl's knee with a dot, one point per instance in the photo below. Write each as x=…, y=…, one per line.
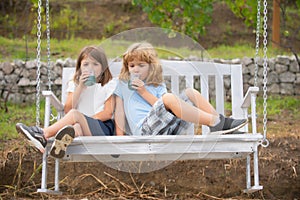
x=75, y=113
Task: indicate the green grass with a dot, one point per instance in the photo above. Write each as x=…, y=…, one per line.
x=276, y=104
x=242, y=50
x=25, y=113
x=16, y=49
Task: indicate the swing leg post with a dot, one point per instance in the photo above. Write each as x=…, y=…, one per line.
x=56, y=176
x=248, y=172
x=256, y=170
x=43, y=188
x=256, y=186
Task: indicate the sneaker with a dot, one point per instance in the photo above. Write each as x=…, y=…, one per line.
x=227, y=125
x=34, y=136
x=63, y=139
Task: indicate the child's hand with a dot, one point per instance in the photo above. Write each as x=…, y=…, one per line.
x=138, y=85
x=84, y=76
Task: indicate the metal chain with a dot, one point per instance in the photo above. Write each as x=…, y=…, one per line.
x=257, y=42
x=38, y=59
x=48, y=45
x=265, y=142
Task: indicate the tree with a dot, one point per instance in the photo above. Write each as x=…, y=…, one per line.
x=185, y=16
x=246, y=10
x=276, y=23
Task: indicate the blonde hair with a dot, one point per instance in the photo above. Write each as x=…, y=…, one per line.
x=143, y=52
x=99, y=55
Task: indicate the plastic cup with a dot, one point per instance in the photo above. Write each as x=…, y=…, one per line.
x=91, y=79
x=133, y=76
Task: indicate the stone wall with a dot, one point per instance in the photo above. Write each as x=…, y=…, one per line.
x=18, y=79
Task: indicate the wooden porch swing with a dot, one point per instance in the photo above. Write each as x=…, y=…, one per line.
x=110, y=149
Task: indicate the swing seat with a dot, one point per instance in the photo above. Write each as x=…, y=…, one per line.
x=161, y=148
x=188, y=146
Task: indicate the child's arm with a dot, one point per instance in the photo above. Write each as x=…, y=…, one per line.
x=108, y=110
x=73, y=100
x=76, y=95
x=150, y=98
x=119, y=117
x=68, y=104
x=143, y=92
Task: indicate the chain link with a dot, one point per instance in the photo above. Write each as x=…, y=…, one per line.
x=265, y=142
x=48, y=45
x=257, y=42
x=38, y=60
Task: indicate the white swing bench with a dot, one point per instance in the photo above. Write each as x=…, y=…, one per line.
x=169, y=147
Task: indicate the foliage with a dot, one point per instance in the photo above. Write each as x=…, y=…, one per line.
x=186, y=16
x=69, y=21
x=247, y=10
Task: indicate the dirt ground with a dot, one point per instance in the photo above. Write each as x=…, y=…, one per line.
x=20, y=174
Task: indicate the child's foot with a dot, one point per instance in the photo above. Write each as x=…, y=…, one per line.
x=63, y=139
x=227, y=125
x=34, y=136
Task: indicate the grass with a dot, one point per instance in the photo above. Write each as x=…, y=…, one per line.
x=61, y=49
x=242, y=50
x=25, y=113
x=277, y=104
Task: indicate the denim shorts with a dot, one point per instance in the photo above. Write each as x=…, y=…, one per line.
x=160, y=121
x=99, y=128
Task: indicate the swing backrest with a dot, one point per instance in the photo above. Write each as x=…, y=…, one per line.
x=182, y=74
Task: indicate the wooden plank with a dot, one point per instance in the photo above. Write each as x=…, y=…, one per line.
x=154, y=158
x=237, y=91
x=220, y=97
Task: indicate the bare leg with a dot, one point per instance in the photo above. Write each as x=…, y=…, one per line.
x=199, y=101
x=188, y=112
x=78, y=130
x=71, y=118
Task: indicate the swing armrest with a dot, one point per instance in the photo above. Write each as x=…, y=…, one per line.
x=54, y=100
x=252, y=91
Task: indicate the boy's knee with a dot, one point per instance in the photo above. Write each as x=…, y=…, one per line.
x=189, y=91
x=168, y=99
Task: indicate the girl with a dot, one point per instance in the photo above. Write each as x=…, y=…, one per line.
x=89, y=106
x=150, y=110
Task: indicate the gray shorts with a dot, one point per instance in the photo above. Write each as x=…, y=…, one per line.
x=162, y=122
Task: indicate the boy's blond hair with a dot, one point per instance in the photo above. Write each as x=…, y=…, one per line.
x=143, y=52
